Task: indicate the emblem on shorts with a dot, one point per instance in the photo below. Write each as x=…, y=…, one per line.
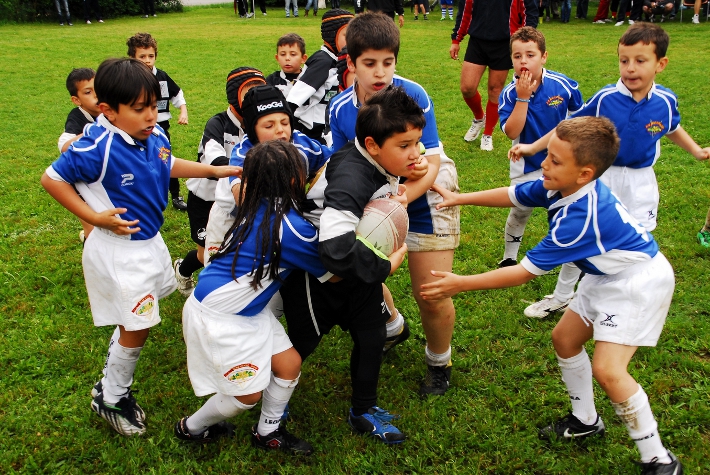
x=144, y=307
x=164, y=154
x=555, y=101
x=654, y=127
x=201, y=233
x=608, y=322
x=241, y=372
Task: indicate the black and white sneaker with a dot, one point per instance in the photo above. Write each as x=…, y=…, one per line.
x=282, y=440
x=213, y=432
x=395, y=340
x=123, y=416
x=436, y=380
x=99, y=388
x=570, y=428
x=507, y=262
x=655, y=468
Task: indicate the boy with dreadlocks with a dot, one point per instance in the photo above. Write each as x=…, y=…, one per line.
x=310, y=95
x=236, y=348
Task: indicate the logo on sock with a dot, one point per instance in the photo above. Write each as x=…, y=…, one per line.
x=144, y=307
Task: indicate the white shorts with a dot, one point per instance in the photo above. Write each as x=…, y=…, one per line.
x=218, y=224
x=445, y=222
x=230, y=354
x=125, y=279
x=637, y=189
x=532, y=176
x=628, y=308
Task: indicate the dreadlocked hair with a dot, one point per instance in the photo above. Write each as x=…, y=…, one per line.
x=274, y=176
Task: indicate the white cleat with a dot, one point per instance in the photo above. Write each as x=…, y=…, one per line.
x=475, y=130
x=545, y=307
x=487, y=143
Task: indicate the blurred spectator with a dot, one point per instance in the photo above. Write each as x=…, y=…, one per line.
x=88, y=5
x=62, y=16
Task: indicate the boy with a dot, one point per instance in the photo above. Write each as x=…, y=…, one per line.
x=222, y=133
x=122, y=166
x=373, y=45
x=531, y=106
x=290, y=54
x=310, y=95
x=642, y=112
x=621, y=303
x=80, y=84
x=143, y=47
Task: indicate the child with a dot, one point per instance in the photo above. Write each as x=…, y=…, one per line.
x=122, y=166
x=447, y=5
x=621, y=303
x=143, y=47
x=387, y=146
x=373, y=45
x=643, y=112
x=310, y=96
x=80, y=84
x=290, y=54
x=236, y=348
x=531, y=106
x=222, y=132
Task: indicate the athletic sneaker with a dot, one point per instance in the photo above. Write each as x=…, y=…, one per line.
x=618, y=23
x=487, y=143
x=631, y=22
x=704, y=238
x=250, y=15
x=696, y=19
x=178, y=203
x=281, y=440
x=88, y=22
x=82, y=236
x=599, y=22
x=123, y=416
x=569, y=428
x=655, y=468
x=185, y=284
x=99, y=388
x=545, y=307
x=474, y=130
x=443, y=18
x=213, y=432
x=436, y=380
x=507, y=262
x=376, y=422
x=395, y=340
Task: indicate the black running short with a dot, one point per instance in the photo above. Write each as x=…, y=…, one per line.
x=198, y=212
x=494, y=54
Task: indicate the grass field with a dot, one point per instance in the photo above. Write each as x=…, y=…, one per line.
x=506, y=381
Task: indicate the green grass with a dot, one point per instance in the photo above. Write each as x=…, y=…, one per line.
x=506, y=381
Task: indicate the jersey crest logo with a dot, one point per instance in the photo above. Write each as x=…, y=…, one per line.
x=608, y=322
x=241, y=373
x=164, y=154
x=555, y=101
x=144, y=307
x=654, y=127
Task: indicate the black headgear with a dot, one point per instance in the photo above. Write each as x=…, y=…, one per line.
x=236, y=80
x=331, y=23
x=261, y=101
x=342, y=68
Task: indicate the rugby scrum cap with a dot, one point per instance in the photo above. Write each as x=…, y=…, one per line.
x=237, y=80
x=331, y=24
x=261, y=101
x=342, y=68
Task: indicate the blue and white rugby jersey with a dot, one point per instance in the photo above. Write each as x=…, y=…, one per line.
x=344, y=107
x=640, y=125
x=590, y=228
x=556, y=97
x=112, y=170
x=217, y=288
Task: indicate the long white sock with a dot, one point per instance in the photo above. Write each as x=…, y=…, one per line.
x=114, y=339
x=118, y=376
x=514, y=229
x=636, y=414
x=577, y=376
x=569, y=275
x=218, y=408
x=394, y=327
x=436, y=359
x=273, y=403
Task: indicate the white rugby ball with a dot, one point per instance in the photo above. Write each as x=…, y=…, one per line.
x=384, y=224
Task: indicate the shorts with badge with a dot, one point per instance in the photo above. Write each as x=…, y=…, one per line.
x=494, y=54
x=637, y=189
x=126, y=278
x=230, y=354
x=432, y=229
x=628, y=308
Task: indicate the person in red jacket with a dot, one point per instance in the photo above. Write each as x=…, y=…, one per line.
x=489, y=25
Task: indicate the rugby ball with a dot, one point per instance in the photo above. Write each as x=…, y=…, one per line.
x=384, y=224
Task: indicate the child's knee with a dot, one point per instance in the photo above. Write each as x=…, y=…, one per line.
x=607, y=374
x=249, y=399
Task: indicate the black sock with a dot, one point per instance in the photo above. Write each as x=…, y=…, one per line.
x=190, y=264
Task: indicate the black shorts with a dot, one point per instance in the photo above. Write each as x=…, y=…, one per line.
x=494, y=54
x=198, y=212
x=313, y=308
